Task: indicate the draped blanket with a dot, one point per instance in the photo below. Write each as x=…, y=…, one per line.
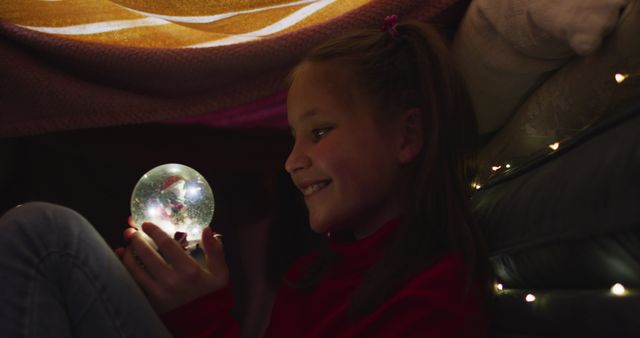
x=70, y=64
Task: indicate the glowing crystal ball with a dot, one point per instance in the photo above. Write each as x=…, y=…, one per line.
x=177, y=199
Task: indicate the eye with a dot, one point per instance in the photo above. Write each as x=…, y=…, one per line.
x=318, y=133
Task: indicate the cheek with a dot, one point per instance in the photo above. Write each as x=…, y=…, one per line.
x=351, y=172
x=331, y=158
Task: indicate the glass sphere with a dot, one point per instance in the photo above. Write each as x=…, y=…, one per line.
x=177, y=199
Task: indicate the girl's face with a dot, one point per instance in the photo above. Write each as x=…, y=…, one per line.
x=344, y=164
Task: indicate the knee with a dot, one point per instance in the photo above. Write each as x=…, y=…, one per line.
x=41, y=218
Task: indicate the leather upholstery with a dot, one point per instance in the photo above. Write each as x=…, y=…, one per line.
x=572, y=220
x=565, y=229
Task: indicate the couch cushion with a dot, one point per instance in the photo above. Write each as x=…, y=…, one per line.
x=505, y=48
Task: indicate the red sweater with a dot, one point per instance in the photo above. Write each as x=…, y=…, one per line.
x=432, y=304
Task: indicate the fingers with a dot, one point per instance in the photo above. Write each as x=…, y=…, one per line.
x=171, y=277
x=154, y=263
x=171, y=250
x=119, y=252
x=137, y=271
x=127, y=233
x=214, y=252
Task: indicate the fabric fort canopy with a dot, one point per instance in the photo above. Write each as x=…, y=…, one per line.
x=69, y=64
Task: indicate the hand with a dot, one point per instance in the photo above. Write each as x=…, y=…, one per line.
x=170, y=277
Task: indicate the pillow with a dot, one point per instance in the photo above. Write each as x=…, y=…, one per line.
x=505, y=48
x=573, y=98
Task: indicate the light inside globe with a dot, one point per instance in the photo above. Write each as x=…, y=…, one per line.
x=177, y=199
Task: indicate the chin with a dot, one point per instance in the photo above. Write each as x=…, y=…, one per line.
x=324, y=223
x=319, y=226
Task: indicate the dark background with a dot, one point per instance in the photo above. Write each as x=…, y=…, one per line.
x=95, y=170
x=259, y=212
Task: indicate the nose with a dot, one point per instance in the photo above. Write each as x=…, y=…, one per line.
x=297, y=159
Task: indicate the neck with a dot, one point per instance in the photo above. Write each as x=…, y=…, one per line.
x=362, y=232
x=375, y=221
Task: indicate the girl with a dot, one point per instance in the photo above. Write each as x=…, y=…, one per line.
x=384, y=138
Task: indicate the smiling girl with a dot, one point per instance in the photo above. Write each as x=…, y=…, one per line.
x=384, y=141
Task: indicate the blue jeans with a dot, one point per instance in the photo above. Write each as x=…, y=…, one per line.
x=58, y=278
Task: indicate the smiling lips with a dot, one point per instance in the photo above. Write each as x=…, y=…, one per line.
x=310, y=189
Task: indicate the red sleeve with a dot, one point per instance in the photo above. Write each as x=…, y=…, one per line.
x=207, y=316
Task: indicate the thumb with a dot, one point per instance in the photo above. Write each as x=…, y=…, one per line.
x=213, y=249
x=131, y=222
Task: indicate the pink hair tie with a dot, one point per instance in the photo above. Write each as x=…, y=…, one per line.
x=390, y=24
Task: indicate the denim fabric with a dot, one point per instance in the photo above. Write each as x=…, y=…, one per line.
x=58, y=278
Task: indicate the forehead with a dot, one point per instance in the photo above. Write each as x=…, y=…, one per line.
x=322, y=87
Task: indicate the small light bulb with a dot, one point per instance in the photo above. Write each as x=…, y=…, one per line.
x=620, y=77
x=499, y=287
x=496, y=167
x=618, y=289
x=530, y=298
x=508, y=165
x=152, y=211
x=174, y=169
x=194, y=192
x=478, y=186
x=554, y=146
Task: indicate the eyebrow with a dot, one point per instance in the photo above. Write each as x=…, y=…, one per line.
x=309, y=113
x=306, y=115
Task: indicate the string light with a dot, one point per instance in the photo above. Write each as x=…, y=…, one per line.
x=496, y=167
x=475, y=185
x=554, y=146
x=618, y=289
x=619, y=77
x=508, y=165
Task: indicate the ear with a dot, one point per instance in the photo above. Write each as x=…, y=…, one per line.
x=411, y=137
